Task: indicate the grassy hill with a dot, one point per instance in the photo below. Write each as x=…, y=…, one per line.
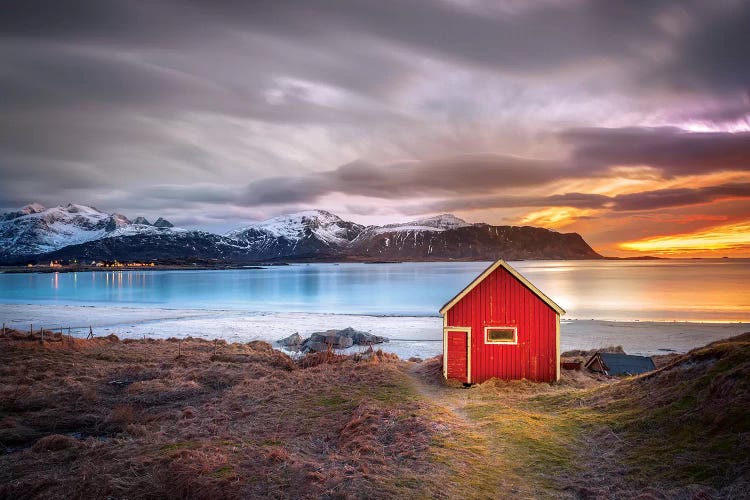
x=199, y=419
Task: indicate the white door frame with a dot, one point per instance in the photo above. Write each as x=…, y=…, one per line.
x=467, y=330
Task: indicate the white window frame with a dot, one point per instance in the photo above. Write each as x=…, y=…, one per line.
x=500, y=327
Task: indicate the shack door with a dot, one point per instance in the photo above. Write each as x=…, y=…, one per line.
x=457, y=355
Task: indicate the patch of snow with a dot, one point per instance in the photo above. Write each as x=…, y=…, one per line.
x=33, y=208
x=134, y=229
x=437, y=224
x=63, y=233
x=326, y=226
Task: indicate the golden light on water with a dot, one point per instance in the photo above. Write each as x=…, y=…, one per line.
x=730, y=237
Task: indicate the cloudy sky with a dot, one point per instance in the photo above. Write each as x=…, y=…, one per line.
x=627, y=121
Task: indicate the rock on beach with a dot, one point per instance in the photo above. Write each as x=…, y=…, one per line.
x=335, y=339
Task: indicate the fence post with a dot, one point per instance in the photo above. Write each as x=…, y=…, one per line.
x=179, y=348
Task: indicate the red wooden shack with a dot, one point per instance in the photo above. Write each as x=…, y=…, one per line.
x=501, y=326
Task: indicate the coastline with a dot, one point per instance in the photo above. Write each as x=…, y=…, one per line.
x=220, y=266
x=159, y=267
x=410, y=335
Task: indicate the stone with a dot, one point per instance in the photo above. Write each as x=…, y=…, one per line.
x=293, y=340
x=333, y=339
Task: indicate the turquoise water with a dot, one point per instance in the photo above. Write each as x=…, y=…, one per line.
x=683, y=290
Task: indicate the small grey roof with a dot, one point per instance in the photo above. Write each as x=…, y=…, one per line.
x=626, y=364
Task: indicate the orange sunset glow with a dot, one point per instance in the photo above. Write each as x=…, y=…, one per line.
x=732, y=239
x=639, y=211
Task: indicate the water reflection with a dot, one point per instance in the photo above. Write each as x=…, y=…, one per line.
x=624, y=290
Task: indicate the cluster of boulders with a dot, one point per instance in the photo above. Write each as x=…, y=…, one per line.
x=330, y=339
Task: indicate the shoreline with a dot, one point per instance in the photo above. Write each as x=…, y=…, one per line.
x=419, y=336
x=159, y=267
x=223, y=266
x=147, y=307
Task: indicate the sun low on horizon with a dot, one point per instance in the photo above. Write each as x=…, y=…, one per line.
x=628, y=123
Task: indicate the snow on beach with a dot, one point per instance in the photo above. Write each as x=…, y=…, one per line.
x=410, y=336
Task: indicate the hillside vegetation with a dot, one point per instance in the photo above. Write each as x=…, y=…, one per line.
x=170, y=419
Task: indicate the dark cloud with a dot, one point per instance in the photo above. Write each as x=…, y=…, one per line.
x=178, y=196
x=575, y=200
x=196, y=193
x=479, y=173
x=594, y=152
x=667, y=198
x=713, y=55
x=640, y=201
x=672, y=150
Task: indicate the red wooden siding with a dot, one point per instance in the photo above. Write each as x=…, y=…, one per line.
x=502, y=300
x=457, y=355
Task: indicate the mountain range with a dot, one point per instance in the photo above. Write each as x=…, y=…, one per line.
x=36, y=233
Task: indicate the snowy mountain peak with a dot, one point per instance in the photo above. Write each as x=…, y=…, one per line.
x=121, y=220
x=73, y=208
x=35, y=229
x=319, y=224
x=33, y=208
x=442, y=221
x=303, y=217
x=141, y=221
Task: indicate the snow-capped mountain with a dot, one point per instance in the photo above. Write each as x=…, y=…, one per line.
x=31, y=208
x=78, y=232
x=438, y=223
x=35, y=229
x=323, y=225
x=308, y=233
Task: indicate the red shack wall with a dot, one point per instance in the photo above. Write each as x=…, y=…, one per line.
x=502, y=300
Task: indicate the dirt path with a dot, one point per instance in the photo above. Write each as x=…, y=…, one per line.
x=432, y=391
x=484, y=461
x=453, y=400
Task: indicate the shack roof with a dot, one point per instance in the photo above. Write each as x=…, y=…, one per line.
x=623, y=364
x=501, y=263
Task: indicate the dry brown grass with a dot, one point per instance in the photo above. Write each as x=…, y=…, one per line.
x=109, y=418
x=679, y=432
x=99, y=418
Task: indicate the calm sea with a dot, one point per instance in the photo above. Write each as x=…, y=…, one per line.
x=663, y=290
